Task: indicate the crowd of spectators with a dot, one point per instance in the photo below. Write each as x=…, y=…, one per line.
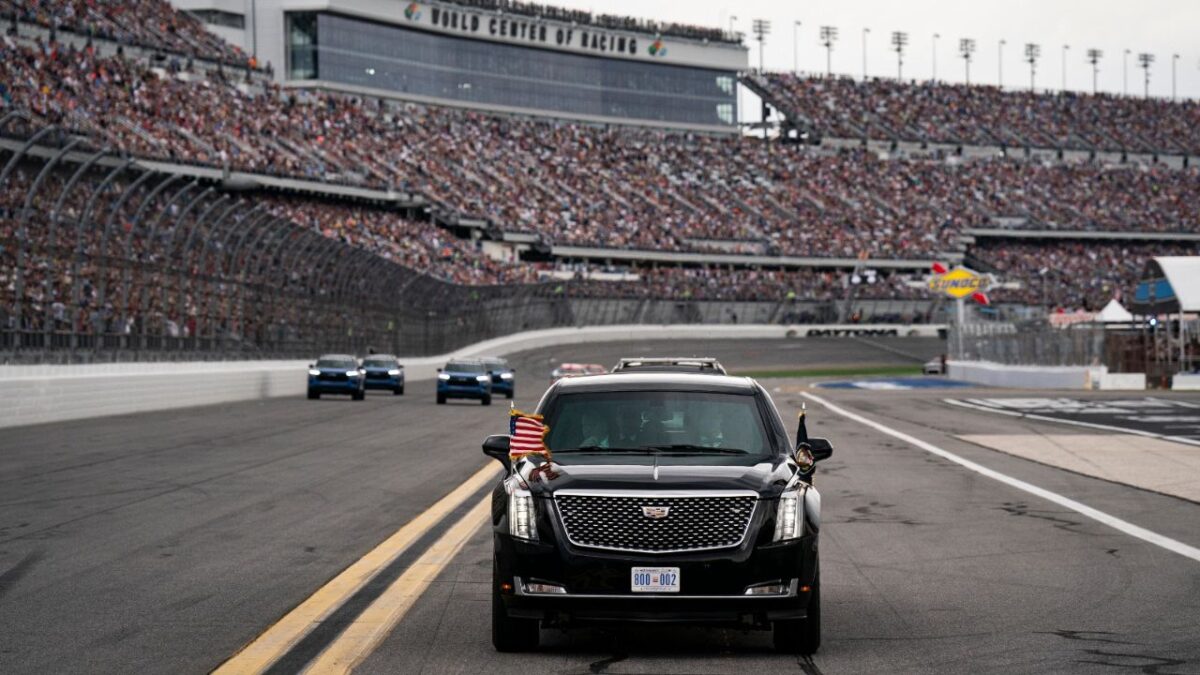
x=151, y=24
x=572, y=183
x=1071, y=274
x=609, y=21
x=887, y=109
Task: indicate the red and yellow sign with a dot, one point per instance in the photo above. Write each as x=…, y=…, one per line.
x=959, y=283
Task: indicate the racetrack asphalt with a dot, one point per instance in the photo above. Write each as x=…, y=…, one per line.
x=164, y=542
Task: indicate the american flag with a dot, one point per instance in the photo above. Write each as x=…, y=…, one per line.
x=528, y=435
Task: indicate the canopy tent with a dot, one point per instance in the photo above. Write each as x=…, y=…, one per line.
x=1114, y=312
x=1169, y=285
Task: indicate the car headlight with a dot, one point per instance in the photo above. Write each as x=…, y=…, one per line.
x=394, y=371
x=506, y=376
x=522, y=518
x=443, y=376
x=795, y=506
x=314, y=372
x=484, y=378
x=352, y=373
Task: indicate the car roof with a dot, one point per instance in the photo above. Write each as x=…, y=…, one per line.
x=656, y=380
x=380, y=356
x=337, y=356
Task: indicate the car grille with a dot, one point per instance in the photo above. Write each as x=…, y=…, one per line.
x=463, y=380
x=377, y=374
x=693, y=523
x=333, y=377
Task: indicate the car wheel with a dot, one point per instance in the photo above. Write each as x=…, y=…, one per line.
x=510, y=394
x=441, y=399
x=509, y=634
x=486, y=400
x=399, y=391
x=313, y=395
x=358, y=395
x=801, y=636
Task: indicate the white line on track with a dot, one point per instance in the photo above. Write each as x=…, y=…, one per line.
x=1078, y=423
x=1066, y=502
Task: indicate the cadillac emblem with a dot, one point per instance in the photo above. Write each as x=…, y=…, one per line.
x=656, y=512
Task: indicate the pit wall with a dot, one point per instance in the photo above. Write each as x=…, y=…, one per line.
x=1044, y=377
x=55, y=393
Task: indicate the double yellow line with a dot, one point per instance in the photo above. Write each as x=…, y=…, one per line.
x=370, y=628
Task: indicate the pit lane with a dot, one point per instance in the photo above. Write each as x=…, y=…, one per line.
x=167, y=541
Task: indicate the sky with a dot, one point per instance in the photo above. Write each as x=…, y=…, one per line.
x=1159, y=27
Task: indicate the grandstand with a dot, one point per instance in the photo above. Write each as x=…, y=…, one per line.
x=662, y=205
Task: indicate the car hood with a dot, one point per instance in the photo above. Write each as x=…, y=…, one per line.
x=545, y=478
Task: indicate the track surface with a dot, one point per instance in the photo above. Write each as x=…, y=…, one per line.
x=164, y=542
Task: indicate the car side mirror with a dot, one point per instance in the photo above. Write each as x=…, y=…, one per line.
x=439, y=370
x=512, y=370
x=311, y=366
x=820, y=448
x=399, y=365
x=496, y=447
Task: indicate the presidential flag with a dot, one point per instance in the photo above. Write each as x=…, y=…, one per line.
x=528, y=435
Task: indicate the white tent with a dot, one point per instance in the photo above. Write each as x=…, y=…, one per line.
x=1114, y=312
x=1183, y=273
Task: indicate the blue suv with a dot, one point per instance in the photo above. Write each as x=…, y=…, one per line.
x=383, y=371
x=464, y=379
x=336, y=374
x=504, y=379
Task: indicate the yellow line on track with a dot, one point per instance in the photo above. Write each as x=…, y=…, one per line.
x=367, y=631
x=267, y=648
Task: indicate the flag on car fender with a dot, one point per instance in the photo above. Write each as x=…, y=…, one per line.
x=528, y=435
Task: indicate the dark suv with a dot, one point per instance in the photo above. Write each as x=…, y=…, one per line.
x=670, y=497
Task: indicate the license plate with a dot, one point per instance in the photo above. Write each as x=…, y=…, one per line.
x=655, y=580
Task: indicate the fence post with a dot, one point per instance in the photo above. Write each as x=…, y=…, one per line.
x=166, y=262
x=105, y=258
x=127, y=312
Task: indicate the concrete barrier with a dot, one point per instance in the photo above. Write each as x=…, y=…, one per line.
x=1043, y=377
x=1186, y=382
x=55, y=393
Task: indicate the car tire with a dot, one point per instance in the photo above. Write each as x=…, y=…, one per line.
x=398, y=391
x=801, y=636
x=510, y=394
x=486, y=400
x=441, y=399
x=358, y=395
x=509, y=634
x=314, y=395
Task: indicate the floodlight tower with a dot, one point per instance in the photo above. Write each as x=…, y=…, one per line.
x=935, y=39
x=1032, y=52
x=829, y=36
x=1145, y=60
x=899, y=41
x=1064, y=66
x=966, y=47
x=1174, y=60
x=1094, y=56
x=761, y=29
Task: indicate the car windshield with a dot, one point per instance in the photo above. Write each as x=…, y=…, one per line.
x=337, y=363
x=379, y=363
x=680, y=423
x=495, y=365
x=465, y=367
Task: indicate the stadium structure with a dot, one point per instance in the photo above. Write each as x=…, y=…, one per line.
x=228, y=178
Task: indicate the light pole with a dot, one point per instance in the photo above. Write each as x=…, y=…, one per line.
x=935, y=39
x=1094, y=56
x=761, y=28
x=899, y=40
x=1065, y=49
x=966, y=47
x=828, y=37
x=732, y=18
x=796, y=47
x=1125, y=73
x=866, y=32
x=1000, y=65
x=1145, y=60
x=1032, y=52
x=1174, y=60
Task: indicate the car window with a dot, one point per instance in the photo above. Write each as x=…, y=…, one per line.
x=337, y=363
x=674, y=421
x=465, y=367
x=379, y=363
